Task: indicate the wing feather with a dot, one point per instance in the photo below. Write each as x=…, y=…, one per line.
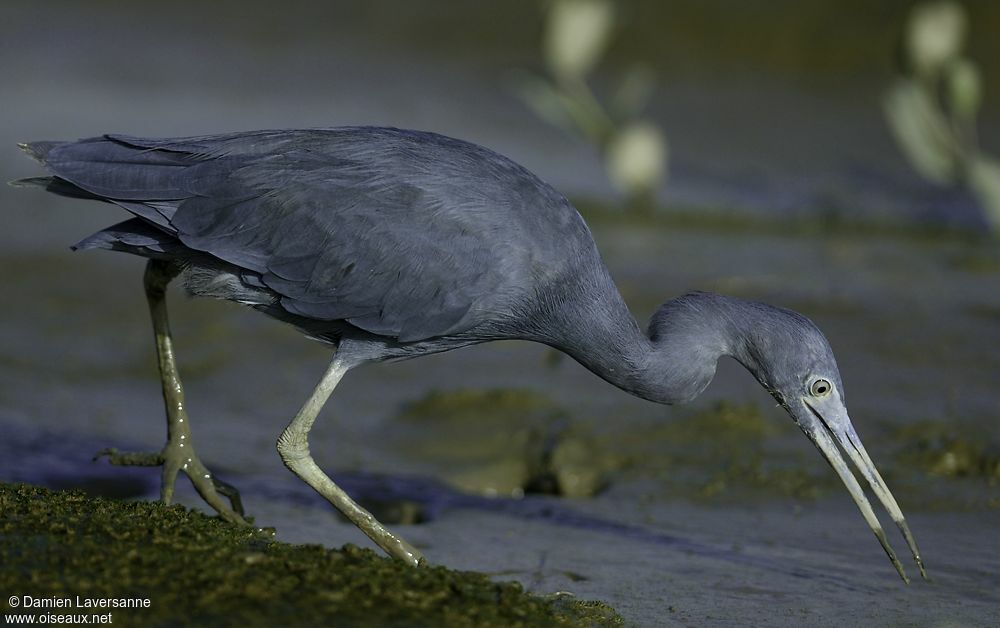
x=404, y=234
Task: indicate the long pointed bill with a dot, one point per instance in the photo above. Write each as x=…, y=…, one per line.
x=823, y=435
x=863, y=462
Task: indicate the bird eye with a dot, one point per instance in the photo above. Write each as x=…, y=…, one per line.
x=820, y=388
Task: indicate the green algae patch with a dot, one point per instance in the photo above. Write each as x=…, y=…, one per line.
x=945, y=465
x=981, y=260
x=727, y=450
x=503, y=442
x=724, y=426
x=731, y=220
x=949, y=449
x=497, y=403
x=197, y=570
x=511, y=442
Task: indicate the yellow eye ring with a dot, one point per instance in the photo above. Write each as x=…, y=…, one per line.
x=820, y=387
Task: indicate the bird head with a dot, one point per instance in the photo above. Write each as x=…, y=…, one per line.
x=792, y=359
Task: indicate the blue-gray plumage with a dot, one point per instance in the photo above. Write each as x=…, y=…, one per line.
x=391, y=244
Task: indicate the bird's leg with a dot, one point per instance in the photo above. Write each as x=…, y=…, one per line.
x=293, y=446
x=178, y=454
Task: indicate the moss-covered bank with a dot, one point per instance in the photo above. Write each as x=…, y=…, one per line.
x=197, y=570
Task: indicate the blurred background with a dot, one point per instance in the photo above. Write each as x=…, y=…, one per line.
x=835, y=157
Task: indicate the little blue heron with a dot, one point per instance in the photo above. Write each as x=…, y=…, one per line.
x=392, y=244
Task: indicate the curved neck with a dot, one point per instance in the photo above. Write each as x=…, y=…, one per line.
x=676, y=361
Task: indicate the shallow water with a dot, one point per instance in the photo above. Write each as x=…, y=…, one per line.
x=913, y=321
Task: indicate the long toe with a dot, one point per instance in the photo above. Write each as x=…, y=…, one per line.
x=206, y=485
x=230, y=492
x=130, y=458
x=174, y=459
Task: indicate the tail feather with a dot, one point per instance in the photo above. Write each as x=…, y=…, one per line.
x=150, y=183
x=147, y=182
x=118, y=171
x=30, y=182
x=39, y=150
x=56, y=185
x=135, y=236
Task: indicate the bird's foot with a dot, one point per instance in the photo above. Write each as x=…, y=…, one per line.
x=176, y=457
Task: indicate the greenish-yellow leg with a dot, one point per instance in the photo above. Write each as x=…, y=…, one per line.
x=178, y=454
x=293, y=446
